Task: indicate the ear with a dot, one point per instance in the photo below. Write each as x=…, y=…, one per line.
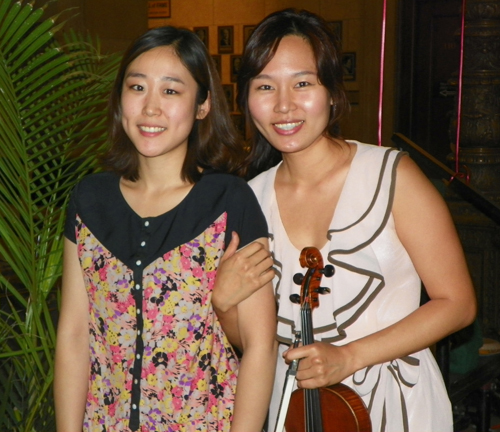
x=204, y=108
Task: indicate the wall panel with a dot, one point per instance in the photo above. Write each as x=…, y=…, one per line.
x=117, y=22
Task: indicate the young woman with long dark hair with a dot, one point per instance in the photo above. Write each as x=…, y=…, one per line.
x=139, y=346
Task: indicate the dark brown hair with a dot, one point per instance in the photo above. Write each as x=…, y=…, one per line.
x=213, y=142
x=260, y=49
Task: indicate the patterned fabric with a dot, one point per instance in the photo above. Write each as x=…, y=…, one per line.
x=375, y=285
x=159, y=358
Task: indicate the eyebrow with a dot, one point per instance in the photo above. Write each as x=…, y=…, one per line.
x=164, y=78
x=295, y=75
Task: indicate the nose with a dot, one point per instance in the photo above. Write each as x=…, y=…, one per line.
x=152, y=106
x=284, y=101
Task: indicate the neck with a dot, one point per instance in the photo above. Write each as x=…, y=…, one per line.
x=158, y=175
x=313, y=164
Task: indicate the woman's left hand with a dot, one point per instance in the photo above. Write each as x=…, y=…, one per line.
x=321, y=364
x=241, y=273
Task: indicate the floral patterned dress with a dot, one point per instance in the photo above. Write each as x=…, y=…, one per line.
x=159, y=360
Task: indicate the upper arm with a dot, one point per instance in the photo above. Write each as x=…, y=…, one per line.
x=245, y=214
x=426, y=229
x=74, y=313
x=257, y=314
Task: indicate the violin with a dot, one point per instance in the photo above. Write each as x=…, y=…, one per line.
x=335, y=408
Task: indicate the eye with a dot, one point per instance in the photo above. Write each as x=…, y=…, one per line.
x=170, y=92
x=303, y=84
x=264, y=87
x=137, y=87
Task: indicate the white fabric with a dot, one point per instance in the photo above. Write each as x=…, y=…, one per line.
x=375, y=285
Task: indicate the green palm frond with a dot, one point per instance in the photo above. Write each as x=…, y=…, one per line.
x=52, y=124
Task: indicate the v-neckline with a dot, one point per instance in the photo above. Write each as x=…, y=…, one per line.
x=339, y=201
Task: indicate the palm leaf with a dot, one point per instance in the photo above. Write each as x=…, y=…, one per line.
x=52, y=114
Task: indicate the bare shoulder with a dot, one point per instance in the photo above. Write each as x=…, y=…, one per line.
x=422, y=218
x=408, y=173
x=420, y=213
x=415, y=192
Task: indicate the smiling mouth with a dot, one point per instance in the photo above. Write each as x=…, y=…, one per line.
x=152, y=129
x=288, y=126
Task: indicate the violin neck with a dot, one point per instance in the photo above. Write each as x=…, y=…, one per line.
x=306, y=324
x=313, y=419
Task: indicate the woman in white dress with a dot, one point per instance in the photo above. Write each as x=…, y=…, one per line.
x=373, y=215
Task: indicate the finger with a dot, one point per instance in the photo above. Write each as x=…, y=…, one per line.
x=296, y=353
x=265, y=265
x=306, y=374
x=266, y=276
x=232, y=247
x=311, y=383
x=257, y=257
x=251, y=249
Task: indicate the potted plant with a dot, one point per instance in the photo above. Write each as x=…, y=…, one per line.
x=52, y=124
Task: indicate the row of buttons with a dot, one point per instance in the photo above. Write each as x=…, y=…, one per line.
x=134, y=424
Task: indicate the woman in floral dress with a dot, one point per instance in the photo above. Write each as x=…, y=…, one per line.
x=140, y=347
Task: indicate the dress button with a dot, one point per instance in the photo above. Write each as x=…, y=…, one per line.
x=134, y=406
x=146, y=223
x=136, y=381
x=138, y=287
x=143, y=243
x=138, y=262
x=138, y=356
x=138, y=332
x=138, y=311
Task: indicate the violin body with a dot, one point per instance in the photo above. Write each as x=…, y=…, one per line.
x=342, y=410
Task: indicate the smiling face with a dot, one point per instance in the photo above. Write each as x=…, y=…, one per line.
x=159, y=103
x=287, y=103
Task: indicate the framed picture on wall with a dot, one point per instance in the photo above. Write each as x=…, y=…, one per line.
x=229, y=93
x=202, y=33
x=247, y=32
x=336, y=28
x=235, y=67
x=225, y=39
x=217, y=63
x=349, y=64
x=159, y=9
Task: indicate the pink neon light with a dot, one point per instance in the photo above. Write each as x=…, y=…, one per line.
x=382, y=61
x=460, y=78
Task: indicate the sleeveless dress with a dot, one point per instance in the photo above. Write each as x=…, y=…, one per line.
x=375, y=285
x=159, y=360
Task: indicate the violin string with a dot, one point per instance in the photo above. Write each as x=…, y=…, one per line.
x=305, y=332
x=311, y=398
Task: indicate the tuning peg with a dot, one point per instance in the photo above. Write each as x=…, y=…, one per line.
x=328, y=271
x=323, y=290
x=298, y=278
x=295, y=298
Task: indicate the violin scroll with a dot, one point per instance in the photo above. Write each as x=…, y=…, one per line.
x=311, y=258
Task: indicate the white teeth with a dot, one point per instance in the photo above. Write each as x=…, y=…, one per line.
x=151, y=129
x=288, y=126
